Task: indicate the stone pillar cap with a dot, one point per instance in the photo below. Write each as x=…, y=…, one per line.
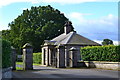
x=73, y=49
x=27, y=45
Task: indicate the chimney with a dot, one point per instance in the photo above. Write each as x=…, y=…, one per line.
x=68, y=27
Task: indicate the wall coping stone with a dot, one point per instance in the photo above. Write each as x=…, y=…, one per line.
x=6, y=69
x=103, y=62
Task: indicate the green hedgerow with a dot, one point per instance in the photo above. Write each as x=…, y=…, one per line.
x=37, y=58
x=6, y=54
x=101, y=53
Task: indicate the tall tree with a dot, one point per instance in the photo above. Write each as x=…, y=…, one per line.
x=36, y=25
x=107, y=42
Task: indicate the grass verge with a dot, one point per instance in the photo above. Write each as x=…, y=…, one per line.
x=19, y=68
x=21, y=63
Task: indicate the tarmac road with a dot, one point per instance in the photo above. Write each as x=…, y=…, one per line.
x=42, y=72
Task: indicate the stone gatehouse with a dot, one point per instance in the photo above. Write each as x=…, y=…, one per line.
x=64, y=50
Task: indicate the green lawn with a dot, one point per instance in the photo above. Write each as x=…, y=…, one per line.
x=19, y=68
x=21, y=63
x=36, y=64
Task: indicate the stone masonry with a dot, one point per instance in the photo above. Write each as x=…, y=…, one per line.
x=27, y=57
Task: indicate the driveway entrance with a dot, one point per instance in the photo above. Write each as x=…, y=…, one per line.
x=49, y=72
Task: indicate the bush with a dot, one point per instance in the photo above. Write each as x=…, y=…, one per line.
x=101, y=53
x=37, y=58
x=6, y=54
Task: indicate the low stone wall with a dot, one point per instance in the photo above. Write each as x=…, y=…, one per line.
x=7, y=73
x=0, y=73
x=100, y=64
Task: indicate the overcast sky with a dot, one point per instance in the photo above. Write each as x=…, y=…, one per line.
x=94, y=19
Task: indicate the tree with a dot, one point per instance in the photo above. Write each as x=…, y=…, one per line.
x=107, y=42
x=34, y=26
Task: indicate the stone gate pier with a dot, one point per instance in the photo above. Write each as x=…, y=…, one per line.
x=27, y=57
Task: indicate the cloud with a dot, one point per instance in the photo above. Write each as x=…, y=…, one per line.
x=98, y=41
x=80, y=18
x=3, y=28
x=116, y=42
x=76, y=16
x=24, y=9
x=110, y=20
x=7, y=2
x=67, y=1
x=101, y=28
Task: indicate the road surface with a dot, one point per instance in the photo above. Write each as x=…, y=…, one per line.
x=41, y=72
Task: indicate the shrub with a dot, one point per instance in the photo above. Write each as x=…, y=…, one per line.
x=6, y=54
x=37, y=58
x=101, y=53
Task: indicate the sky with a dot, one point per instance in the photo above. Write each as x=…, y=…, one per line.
x=94, y=19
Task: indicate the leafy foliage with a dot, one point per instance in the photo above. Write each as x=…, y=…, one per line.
x=107, y=42
x=6, y=54
x=34, y=26
x=37, y=58
x=101, y=53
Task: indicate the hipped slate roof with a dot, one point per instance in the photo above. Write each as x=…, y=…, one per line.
x=72, y=38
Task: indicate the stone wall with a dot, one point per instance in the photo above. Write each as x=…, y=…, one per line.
x=7, y=73
x=0, y=73
x=100, y=64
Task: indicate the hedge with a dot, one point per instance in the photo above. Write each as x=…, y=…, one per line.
x=37, y=58
x=101, y=53
x=6, y=54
